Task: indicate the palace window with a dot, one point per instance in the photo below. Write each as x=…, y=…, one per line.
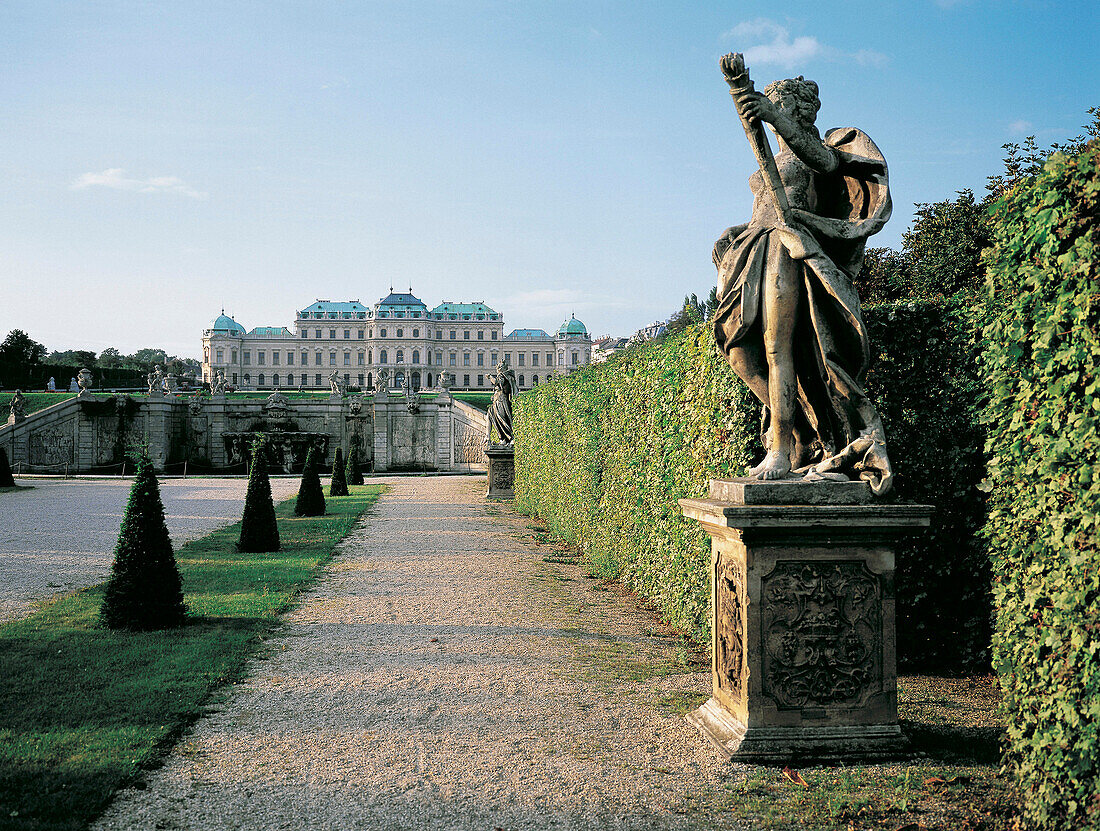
x=360, y=379
x=290, y=359
x=275, y=379
x=347, y=334
x=261, y=357
x=260, y=380
x=494, y=335
x=416, y=356
x=439, y=334
x=332, y=359
x=508, y=358
x=233, y=355
x=522, y=357
x=247, y=358
x=362, y=359
x=274, y=358
x=290, y=380
x=535, y=380
x=305, y=359
x=220, y=356
x=305, y=333
x=465, y=380
x=466, y=335
x=521, y=381
x=416, y=333
x=332, y=334
x=317, y=359
x=454, y=358
x=347, y=359
x=481, y=380
x=493, y=357
x=317, y=334
x=439, y=359
x=549, y=358
x=382, y=357
x=381, y=333
x=481, y=334
x=481, y=359
x=234, y=381
x=400, y=356
x=534, y=359
x=247, y=378
x=317, y=380
x=466, y=359
x=561, y=357
x=453, y=334
x=370, y=356
x=576, y=359
x=361, y=333
x=400, y=333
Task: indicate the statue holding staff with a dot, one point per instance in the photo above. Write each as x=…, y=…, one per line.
x=789, y=319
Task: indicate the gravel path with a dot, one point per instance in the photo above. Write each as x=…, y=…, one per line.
x=444, y=675
x=60, y=535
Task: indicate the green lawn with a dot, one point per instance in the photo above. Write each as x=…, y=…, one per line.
x=481, y=400
x=33, y=401
x=84, y=710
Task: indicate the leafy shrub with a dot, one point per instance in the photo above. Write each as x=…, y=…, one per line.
x=311, y=497
x=259, y=528
x=1043, y=415
x=6, y=479
x=603, y=455
x=353, y=472
x=144, y=590
x=338, y=486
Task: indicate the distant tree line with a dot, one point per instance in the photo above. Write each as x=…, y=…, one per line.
x=27, y=364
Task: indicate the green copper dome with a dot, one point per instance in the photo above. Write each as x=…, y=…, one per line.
x=224, y=323
x=572, y=327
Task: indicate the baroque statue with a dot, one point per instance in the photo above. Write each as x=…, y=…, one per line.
x=500, y=411
x=217, y=386
x=788, y=318
x=337, y=384
x=18, y=410
x=84, y=382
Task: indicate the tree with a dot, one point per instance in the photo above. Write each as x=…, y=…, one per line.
x=1023, y=161
x=885, y=276
x=110, y=358
x=18, y=349
x=6, y=479
x=311, y=497
x=146, y=359
x=259, y=528
x=144, y=590
x=338, y=486
x=73, y=357
x=353, y=472
x=944, y=247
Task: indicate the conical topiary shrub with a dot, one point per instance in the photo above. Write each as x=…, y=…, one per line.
x=353, y=474
x=6, y=479
x=259, y=528
x=144, y=590
x=339, y=484
x=311, y=497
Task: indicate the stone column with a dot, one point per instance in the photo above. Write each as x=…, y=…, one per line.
x=381, y=429
x=217, y=425
x=802, y=620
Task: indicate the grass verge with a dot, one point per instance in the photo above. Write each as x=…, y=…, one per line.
x=85, y=710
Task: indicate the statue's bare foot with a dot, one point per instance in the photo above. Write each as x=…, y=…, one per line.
x=776, y=465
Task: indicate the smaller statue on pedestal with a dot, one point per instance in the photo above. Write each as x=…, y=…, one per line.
x=158, y=383
x=500, y=411
x=338, y=385
x=217, y=386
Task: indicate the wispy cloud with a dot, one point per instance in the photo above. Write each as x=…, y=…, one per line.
x=1019, y=127
x=115, y=178
x=774, y=45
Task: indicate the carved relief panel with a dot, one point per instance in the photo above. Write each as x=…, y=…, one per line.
x=729, y=625
x=51, y=446
x=822, y=631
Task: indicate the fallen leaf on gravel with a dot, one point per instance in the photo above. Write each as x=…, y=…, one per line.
x=435, y=640
x=795, y=777
x=934, y=781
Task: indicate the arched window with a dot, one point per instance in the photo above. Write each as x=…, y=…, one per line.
x=416, y=356
x=521, y=380
x=370, y=356
x=260, y=380
x=247, y=378
x=275, y=379
x=535, y=381
x=370, y=379
x=400, y=356
x=290, y=380
x=416, y=380
x=429, y=379
x=382, y=357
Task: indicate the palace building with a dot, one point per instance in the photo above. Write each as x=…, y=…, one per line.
x=398, y=334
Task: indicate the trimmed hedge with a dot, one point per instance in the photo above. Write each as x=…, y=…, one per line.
x=311, y=496
x=1042, y=365
x=603, y=456
x=259, y=528
x=338, y=484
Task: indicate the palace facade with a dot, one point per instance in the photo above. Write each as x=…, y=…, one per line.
x=400, y=335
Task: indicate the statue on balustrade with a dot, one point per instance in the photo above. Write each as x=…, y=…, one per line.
x=500, y=411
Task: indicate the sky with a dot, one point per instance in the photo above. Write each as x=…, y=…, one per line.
x=162, y=161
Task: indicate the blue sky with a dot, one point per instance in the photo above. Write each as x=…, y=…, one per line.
x=160, y=161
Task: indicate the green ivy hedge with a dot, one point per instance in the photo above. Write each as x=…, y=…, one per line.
x=603, y=455
x=1043, y=417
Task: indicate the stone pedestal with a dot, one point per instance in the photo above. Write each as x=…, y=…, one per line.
x=502, y=472
x=803, y=640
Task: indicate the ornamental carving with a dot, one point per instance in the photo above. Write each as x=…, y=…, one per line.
x=729, y=626
x=822, y=628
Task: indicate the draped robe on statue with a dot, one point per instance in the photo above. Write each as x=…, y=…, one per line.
x=831, y=347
